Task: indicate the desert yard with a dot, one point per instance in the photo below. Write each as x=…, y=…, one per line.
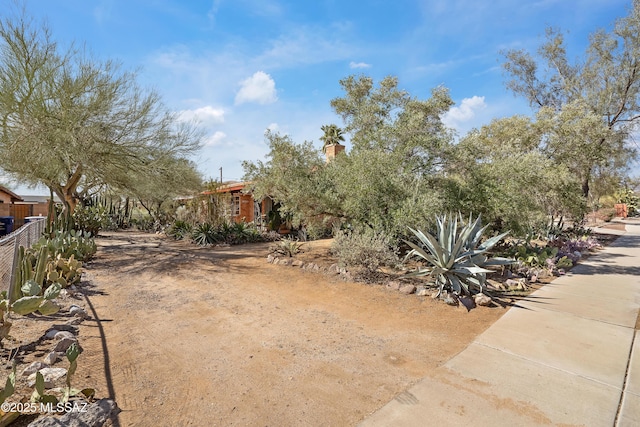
x=186, y=335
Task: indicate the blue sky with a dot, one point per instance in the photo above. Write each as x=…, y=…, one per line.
x=242, y=66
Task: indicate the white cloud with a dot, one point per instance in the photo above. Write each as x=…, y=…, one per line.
x=204, y=115
x=273, y=127
x=353, y=64
x=466, y=112
x=216, y=139
x=259, y=88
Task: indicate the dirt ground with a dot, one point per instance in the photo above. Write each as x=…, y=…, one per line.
x=184, y=335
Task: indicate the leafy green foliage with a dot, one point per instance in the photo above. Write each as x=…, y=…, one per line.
x=515, y=196
x=88, y=123
x=455, y=256
x=589, y=107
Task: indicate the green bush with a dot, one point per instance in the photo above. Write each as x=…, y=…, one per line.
x=364, y=248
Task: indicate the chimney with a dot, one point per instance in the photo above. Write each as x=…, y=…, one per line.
x=331, y=151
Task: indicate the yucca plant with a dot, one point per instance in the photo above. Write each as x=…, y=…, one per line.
x=457, y=259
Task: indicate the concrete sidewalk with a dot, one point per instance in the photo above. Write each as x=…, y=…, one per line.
x=568, y=355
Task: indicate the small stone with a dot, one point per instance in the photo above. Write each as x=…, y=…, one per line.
x=64, y=334
x=422, y=291
x=33, y=368
x=407, y=289
x=435, y=295
x=297, y=263
x=74, y=321
x=285, y=261
x=533, y=279
x=78, y=311
x=276, y=260
x=482, y=300
x=394, y=285
x=451, y=300
x=561, y=272
x=64, y=344
x=95, y=414
x=50, y=376
x=333, y=269
x=270, y=258
x=52, y=358
x=51, y=333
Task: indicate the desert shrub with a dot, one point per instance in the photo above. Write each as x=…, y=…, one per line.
x=144, y=223
x=364, y=248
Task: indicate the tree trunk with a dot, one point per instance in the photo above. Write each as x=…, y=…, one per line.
x=585, y=187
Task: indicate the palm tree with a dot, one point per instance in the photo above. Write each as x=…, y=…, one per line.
x=332, y=136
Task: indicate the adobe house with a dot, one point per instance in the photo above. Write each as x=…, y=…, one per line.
x=242, y=206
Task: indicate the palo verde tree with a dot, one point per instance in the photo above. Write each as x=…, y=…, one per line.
x=389, y=119
x=74, y=123
x=591, y=105
x=483, y=177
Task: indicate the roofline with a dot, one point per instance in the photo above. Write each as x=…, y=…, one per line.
x=11, y=193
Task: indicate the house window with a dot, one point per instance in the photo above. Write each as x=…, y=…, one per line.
x=235, y=207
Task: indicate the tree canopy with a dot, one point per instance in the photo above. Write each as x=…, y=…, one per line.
x=592, y=105
x=75, y=123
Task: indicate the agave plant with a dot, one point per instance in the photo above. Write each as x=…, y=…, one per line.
x=204, y=234
x=457, y=259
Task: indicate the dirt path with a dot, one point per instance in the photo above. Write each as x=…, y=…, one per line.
x=216, y=336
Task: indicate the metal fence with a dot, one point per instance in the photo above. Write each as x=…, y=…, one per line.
x=25, y=236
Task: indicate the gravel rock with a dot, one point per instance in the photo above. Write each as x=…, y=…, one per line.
x=407, y=289
x=422, y=291
x=394, y=285
x=64, y=334
x=69, y=328
x=33, y=368
x=52, y=358
x=270, y=258
x=64, y=344
x=482, y=300
x=78, y=311
x=334, y=269
x=51, y=333
x=50, y=376
x=297, y=263
x=93, y=415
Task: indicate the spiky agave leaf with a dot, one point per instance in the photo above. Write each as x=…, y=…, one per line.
x=456, y=257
